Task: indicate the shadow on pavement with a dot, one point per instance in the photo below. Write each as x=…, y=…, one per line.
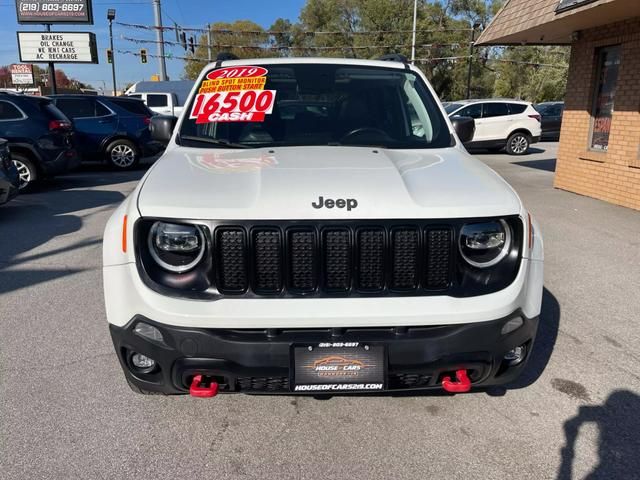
x=532, y=151
x=91, y=175
x=58, y=208
x=619, y=426
x=548, y=165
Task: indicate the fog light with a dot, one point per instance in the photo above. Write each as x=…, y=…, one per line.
x=515, y=356
x=143, y=362
x=149, y=332
x=512, y=325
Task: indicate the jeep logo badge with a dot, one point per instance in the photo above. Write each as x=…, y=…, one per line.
x=349, y=203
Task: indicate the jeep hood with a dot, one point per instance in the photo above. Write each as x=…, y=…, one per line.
x=282, y=183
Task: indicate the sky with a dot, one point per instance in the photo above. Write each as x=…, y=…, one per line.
x=187, y=13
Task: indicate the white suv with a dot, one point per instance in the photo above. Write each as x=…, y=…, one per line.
x=316, y=226
x=509, y=124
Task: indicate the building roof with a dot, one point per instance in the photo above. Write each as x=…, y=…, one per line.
x=553, y=22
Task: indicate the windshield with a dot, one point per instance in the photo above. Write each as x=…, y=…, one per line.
x=451, y=107
x=311, y=104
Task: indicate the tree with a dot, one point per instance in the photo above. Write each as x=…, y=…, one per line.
x=535, y=74
x=243, y=38
x=371, y=28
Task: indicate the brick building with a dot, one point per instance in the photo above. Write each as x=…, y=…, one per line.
x=599, y=153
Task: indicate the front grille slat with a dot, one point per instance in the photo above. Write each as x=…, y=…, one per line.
x=302, y=260
x=371, y=259
x=232, y=260
x=337, y=260
x=404, y=273
x=267, y=260
x=341, y=259
x=438, y=252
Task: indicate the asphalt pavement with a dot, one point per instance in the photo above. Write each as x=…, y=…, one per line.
x=67, y=413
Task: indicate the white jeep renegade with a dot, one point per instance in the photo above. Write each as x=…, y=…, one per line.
x=316, y=226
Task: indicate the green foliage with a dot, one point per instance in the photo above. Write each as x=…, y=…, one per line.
x=532, y=83
x=371, y=28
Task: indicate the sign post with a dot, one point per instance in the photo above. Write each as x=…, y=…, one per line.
x=54, y=11
x=22, y=74
x=52, y=70
x=58, y=47
x=52, y=49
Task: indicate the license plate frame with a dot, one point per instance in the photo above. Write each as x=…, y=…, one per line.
x=338, y=367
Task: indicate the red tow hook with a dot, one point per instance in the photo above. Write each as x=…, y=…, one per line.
x=197, y=390
x=463, y=385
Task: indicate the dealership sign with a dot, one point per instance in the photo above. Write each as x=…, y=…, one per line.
x=58, y=47
x=54, y=11
x=22, y=74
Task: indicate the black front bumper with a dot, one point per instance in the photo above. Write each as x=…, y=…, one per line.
x=259, y=361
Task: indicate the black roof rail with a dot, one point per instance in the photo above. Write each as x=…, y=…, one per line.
x=394, y=57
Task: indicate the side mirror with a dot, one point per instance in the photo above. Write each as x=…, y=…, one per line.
x=161, y=128
x=465, y=128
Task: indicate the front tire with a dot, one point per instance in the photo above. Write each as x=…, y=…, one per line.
x=123, y=155
x=27, y=172
x=518, y=144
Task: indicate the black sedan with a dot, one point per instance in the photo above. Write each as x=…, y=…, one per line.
x=8, y=174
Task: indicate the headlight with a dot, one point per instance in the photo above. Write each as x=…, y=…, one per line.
x=484, y=245
x=176, y=247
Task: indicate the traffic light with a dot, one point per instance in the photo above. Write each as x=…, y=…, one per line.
x=183, y=40
x=192, y=45
x=143, y=55
x=109, y=55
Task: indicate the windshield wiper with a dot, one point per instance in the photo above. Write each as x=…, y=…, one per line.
x=214, y=141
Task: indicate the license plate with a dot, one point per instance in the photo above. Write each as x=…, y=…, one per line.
x=338, y=367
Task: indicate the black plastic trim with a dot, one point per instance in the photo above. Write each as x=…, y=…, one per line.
x=201, y=283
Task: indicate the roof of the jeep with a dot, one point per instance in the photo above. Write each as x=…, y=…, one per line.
x=309, y=60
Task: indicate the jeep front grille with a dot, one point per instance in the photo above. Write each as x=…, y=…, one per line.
x=332, y=260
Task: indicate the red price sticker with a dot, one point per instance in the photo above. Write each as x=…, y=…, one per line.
x=234, y=106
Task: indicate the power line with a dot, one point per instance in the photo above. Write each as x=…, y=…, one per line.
x=284, y=47
x=284, y=32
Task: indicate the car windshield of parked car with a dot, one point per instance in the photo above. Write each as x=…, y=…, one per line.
x=313, y=104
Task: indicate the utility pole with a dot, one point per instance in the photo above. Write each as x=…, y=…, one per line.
x=111, y=16
x=160, y=40
x=52, y=72
x=471, y=47
x=209, y=41
x=415, y=25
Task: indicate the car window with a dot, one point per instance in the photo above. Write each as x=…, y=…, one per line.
x=451, y=107
x=77, y=107
x=51, y=111
x=132, y=106
x=516, y=108
x=314, y=104
x=495, y=110
x=101, y=110
x=8, y=111
x=136, y=95
x=157, y=100
x=473, y=111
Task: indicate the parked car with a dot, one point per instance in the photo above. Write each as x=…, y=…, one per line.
x=9, y=180
x=347, y=243
x=111, y=129
x=40, y=137
x=164, y=98
x=500, y=124
x=551, y=113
